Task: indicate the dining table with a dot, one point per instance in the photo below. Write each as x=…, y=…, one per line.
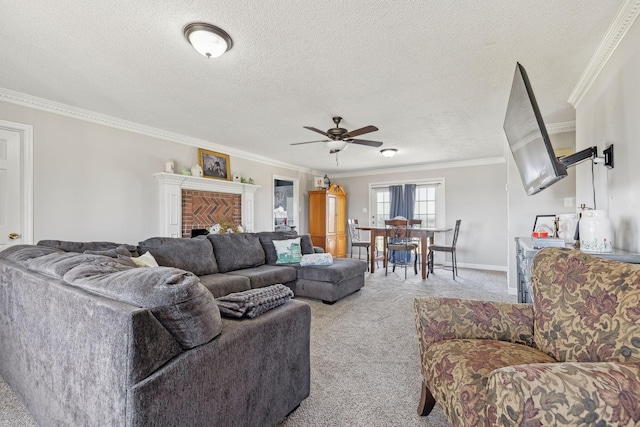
x=425, y=234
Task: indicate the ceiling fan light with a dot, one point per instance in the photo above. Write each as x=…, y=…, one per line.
x=207, y=39
x=388, y=152
x=338, y=145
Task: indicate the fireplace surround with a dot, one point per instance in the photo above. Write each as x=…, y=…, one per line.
x=172, y=191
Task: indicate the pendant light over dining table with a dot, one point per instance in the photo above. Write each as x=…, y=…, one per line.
x=207, y=39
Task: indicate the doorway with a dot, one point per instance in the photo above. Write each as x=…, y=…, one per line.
x=286, y=205
x=16, y=184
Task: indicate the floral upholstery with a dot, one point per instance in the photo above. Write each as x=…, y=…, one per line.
x=587, y=309
x=486, y=364
x=439, y=319
x=452, y=361
x=590, y=394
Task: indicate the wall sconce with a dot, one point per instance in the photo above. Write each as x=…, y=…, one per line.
x=207, y=39
x=388, y=152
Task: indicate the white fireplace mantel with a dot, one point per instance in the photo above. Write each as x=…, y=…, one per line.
x=171, y=186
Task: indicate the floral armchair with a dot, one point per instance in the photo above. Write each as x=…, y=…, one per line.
x=571, y=358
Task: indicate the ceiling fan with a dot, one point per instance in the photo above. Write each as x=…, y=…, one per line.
x=340, y=138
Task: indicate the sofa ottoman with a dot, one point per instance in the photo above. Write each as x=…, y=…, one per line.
x=329, y=283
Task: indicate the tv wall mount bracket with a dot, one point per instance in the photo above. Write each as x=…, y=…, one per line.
x=589, y=153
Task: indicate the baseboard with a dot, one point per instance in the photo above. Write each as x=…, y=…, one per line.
x=460, y=265
x=479, y=266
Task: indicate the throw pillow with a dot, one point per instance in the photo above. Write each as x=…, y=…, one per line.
x=145, y=260
x=316, y=259
x=288, y=251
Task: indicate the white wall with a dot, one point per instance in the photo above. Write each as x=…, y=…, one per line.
x=262, y=174
x=94, y=182
x=523, y=208
x=474, y=194
x=609, y=113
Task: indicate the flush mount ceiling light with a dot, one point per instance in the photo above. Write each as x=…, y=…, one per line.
x=389, y=152
x=207, y=39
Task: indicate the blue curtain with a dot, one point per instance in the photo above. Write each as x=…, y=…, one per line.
x=396, y=201
x=402, y=203
x=409, y=200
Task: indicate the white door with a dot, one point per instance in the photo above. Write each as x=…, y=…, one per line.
x=15, y=187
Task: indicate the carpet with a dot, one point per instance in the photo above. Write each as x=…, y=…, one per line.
x=365, y=362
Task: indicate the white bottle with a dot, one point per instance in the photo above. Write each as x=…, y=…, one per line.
x=596, y=233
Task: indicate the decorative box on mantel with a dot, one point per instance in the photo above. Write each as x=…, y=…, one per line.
x=171, y=186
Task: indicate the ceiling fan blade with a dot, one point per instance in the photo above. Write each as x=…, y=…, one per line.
x=316, y=130
x=309, y=142
x=365, y=142
x=360, y=131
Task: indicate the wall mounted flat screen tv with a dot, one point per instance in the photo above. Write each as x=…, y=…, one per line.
x=528, y=138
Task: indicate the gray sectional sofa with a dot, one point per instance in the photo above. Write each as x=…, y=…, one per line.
x=87, y=338
x=237, y=262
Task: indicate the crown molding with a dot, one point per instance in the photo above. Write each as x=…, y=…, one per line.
x=624, y=19
x=561, y=127
x=423, y=167
x=18, y=98
x=24, y=100
x=552, y=128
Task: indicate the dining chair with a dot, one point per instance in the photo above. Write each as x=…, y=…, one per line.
x=443, y=248
x=397, y=239
x=356, y=241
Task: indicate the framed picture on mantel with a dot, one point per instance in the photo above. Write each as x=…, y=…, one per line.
x=214, y=165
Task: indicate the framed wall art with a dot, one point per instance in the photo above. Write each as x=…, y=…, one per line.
x=214, y=165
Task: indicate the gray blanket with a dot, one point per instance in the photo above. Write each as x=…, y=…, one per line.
x=253, y=302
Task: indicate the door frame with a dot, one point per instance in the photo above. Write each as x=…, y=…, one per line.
x=26, y=176
x=296, y=199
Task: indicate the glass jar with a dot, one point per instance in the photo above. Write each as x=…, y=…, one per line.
x=567, y=224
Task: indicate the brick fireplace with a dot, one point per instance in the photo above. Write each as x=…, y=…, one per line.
x=202, y=209
x=188, y=202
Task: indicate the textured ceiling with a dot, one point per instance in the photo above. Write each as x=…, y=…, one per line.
x=433, y=76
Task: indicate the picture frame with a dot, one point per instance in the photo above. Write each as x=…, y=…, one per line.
x=318, y=182
x=214, y=165
x=544, y=223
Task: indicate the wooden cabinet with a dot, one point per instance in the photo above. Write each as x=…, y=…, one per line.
x=328, y=219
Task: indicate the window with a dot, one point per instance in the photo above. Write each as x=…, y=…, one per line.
x=383, y=206
x=425, y=207
x=429, y=204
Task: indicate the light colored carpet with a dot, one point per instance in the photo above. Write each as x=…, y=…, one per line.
x=12, y=411
x=365, y=363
